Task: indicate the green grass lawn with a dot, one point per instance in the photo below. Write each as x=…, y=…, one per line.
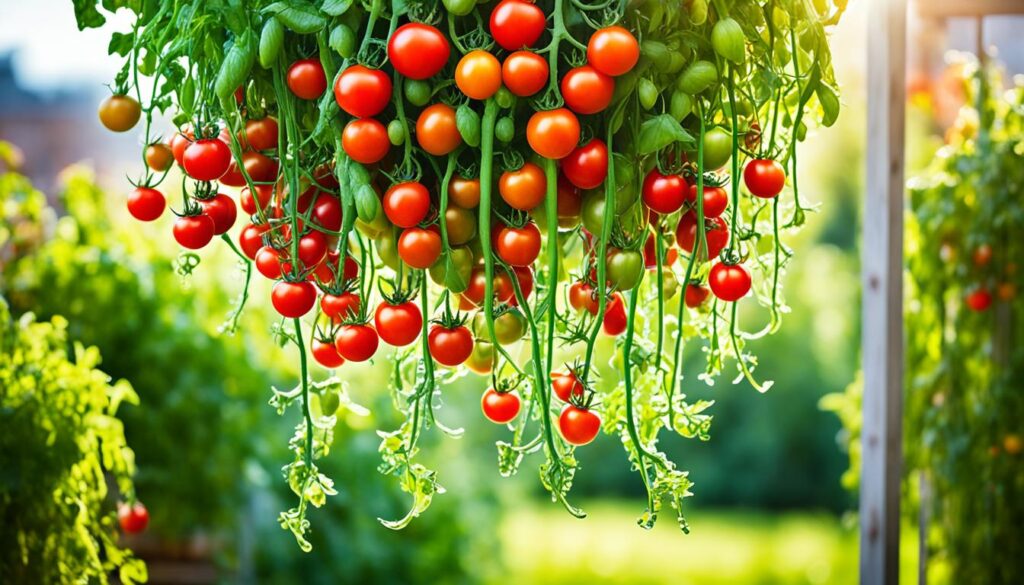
x=543, y=545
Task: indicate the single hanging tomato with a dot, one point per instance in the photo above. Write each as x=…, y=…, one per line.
x=418, y=51
x=553, y=133
x=251, y=239
x=293, y=299
x=586, y=90
x=696, y=295
x=222, y=210
x=978, y=300
x=132, y=518
x=365, y=140
x=982, y=255
x=716, y=200
x=356, y=343
x=306, y=79
x=613, y=51
x=406, y=204
x=159, y=157
x=715, y=231
x=481, y=360
x=478, y=75
x=327, y=211
x=464, y=192
x=193, y=231
x=578, y=426
x=398, y=325
x=436, y=130
x=362, y=92
x=581, y=296
x=570, y=203
x=663, y=194
x=518, y=246
x=207, y=159
x=524, y=276
x=614, y=321
x=765, y=178
x=261, y=134
x=146, y=203
x=268, y=262
x=120, y=113
x=524, y=73
x=566, y=385
x=625, y=268
x=500, y=407
x=717, y=148
x=502, y=287
x=729, y=282
x=587, y=165
x=450, y=346
x=420, y=247
x=516, y=24
x=326, y=354
x=523, y=188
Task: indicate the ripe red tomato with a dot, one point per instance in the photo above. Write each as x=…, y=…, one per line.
x=261, y=134
x=233, y=177
x=365, y=140
x=566, y=384
x=407, y=204
x=146, y=203
x=478, y=75
x=502, y=287
x=587, y=165
x=578, y=426
x=729, y=282
x=222, y=210
x=193, y=231
x=553, y=133
x=524, y=276
x=251, y=239
x=979, y=300
x=464, y=192
x=614, y=321
x=159, y=157
x=581, y=296
x=340, y=307
x=523, y=188
x=696, y=295
x=398, y=325
x=764, y=178
x=982, y=255
x=312, y=248
x=326, y=354
x=715, y=231
x=586, y=90
x=327, y=211
x=418, y=51
x=500, y=407
x=268, y=262
x=306, y=79
x=516, y=24
x=132, y=518
x=419, y=247
x=356, y=343
x=264, y=193
x=716, y=200
x=293, y=299
x=524, y=73
x=362, y=92
x=518, y=246
x=260, y=167
x=179, y=142
x=664, y=194
x=613, y=51
x=436, y=131
x=207, y=159
x=450, y=346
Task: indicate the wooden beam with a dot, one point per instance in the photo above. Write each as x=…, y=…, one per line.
x=953, y=8
x=882, y=285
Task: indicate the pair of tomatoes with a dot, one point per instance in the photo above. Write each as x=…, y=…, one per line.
x=215, y=216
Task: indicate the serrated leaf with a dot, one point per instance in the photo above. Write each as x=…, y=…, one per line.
x=660, y=131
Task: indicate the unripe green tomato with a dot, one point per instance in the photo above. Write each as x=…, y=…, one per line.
x=625, y=269
x=396, y=132
x=657, y=52
x=460, y=7
x=669, y=284
x=329, y=402
x=680, y=106
x=504, y=129
x=455, y=272
x=593, y=212
x=647, y=92
x=504, y=98
x=699, y=76
x=482, y=360
x=717, y=148
x=343, y=40
x=728, y=40
x=698, y=10
x=508, y=327
x=417, y=91
x=676, y=61
x=387, y=248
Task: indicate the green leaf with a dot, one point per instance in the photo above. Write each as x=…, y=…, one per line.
x=829, y=101
x=298, y=15
x=120, y=44
x=87, y=16
x=335, y=7
x=468, y=123
x=660, y=131
x=235, y=68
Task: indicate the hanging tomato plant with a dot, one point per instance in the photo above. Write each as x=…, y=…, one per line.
x=521, y=177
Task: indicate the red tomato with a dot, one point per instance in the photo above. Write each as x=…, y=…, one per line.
x=268, y=262
x=306, y=79
x=696, y=295
x=570, y=202
x=729, y=282
x=340, y=307
x=578, y=426
x=979, y=300
x=207, y=159
x=251, y=239
x=982, y=255
x=516, y=24
x=419, y=247
x=524, y=73
x=326, y=354
x=146, y=203
x=664, y=194
x=650, y=254
x=716, y=200
x=365, y=140
x=293, y=299
x=264, y=193
x=362, y=92
x=524, y=276
x=553, y=133
x=450, y=346
x=327, y=211
x=518, y=246
x=179, y=142
x=715, y=231
x=614, y=321
x=261, y=134
x=587, y=165
x=312, y=248
x=502, y=287
x=586, y=90
x=764, y=178
x=436, y=131
x=418, y=51
x=613, y=51
x=407, y=204
x=193, y=231
x=478, y=75
x=356, y=343
x=398, y=325
x=565, y=385
x=134, y=518
x=464, y=192
x=500, y=407
x=222, y=210
x=524, y=188
x=581, y=296
x=260, y=167
x=233, y=177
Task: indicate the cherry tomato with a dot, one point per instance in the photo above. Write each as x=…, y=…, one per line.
x=419, y=247
x=979, y=300
x=193, y=231
x=398, y=325
x=418, y=51
x=436, y=131
x=716, y=200
x=406, y=204
x=729, y=282
x=340, y=307
x=715, y=231
x=478, y=75
x=362, y=92
x=982, y=255
x=663, y=194
x=764, y=178
x=365, y=140
x=356, y=343
x=518, y=246
x=260, y=168
x=586, y=90
x=524, y=73
x=524, y=276
x=578, y=426
x=327, y=211
x=306, y=79
x=553, y=133
x=132, y=518
x=566, y=385
x=581, y=297
x=613, y=51
x=464, y=192
x=695, y=295
x=293, y=299
x=120, y=113
x=500, y=407
x=587, y=165
x=523, y=188
x=326, y=354
x=146, y=203
x=222, y=210
x=206, y=159
x=261, y=134
x=625, y=269
x=179, y=142
x=450, y=346
x=717, y=148
x=516, y=24
x=460, y=224
x=502, y=287
x=159, y=157
x=312, y=248
x=251, y=239
x=264, y=193
x=650, y=254
x=268, y=262
x=614, y=321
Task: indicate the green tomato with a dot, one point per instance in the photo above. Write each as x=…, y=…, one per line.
x=680, y=106
x=396, y=132
x=504, y=129
x=699, y=76
x=509, y=327
x=454, y=270
x=482, y=359
x=625, y=269
x=728, y=40
x=669, y=284
x=417, y=91
x=329, y=402
x=504, y=98
x=387, y=248
x=460, y=7
x=593, y=212
x=647, y=92
x=717, y=148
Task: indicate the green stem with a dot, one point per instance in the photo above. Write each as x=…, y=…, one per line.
x=627, y=376
x=551, y=172
x=735, y=183
x=486, y=182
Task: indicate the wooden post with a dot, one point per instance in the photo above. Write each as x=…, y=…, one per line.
x=882, y=284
